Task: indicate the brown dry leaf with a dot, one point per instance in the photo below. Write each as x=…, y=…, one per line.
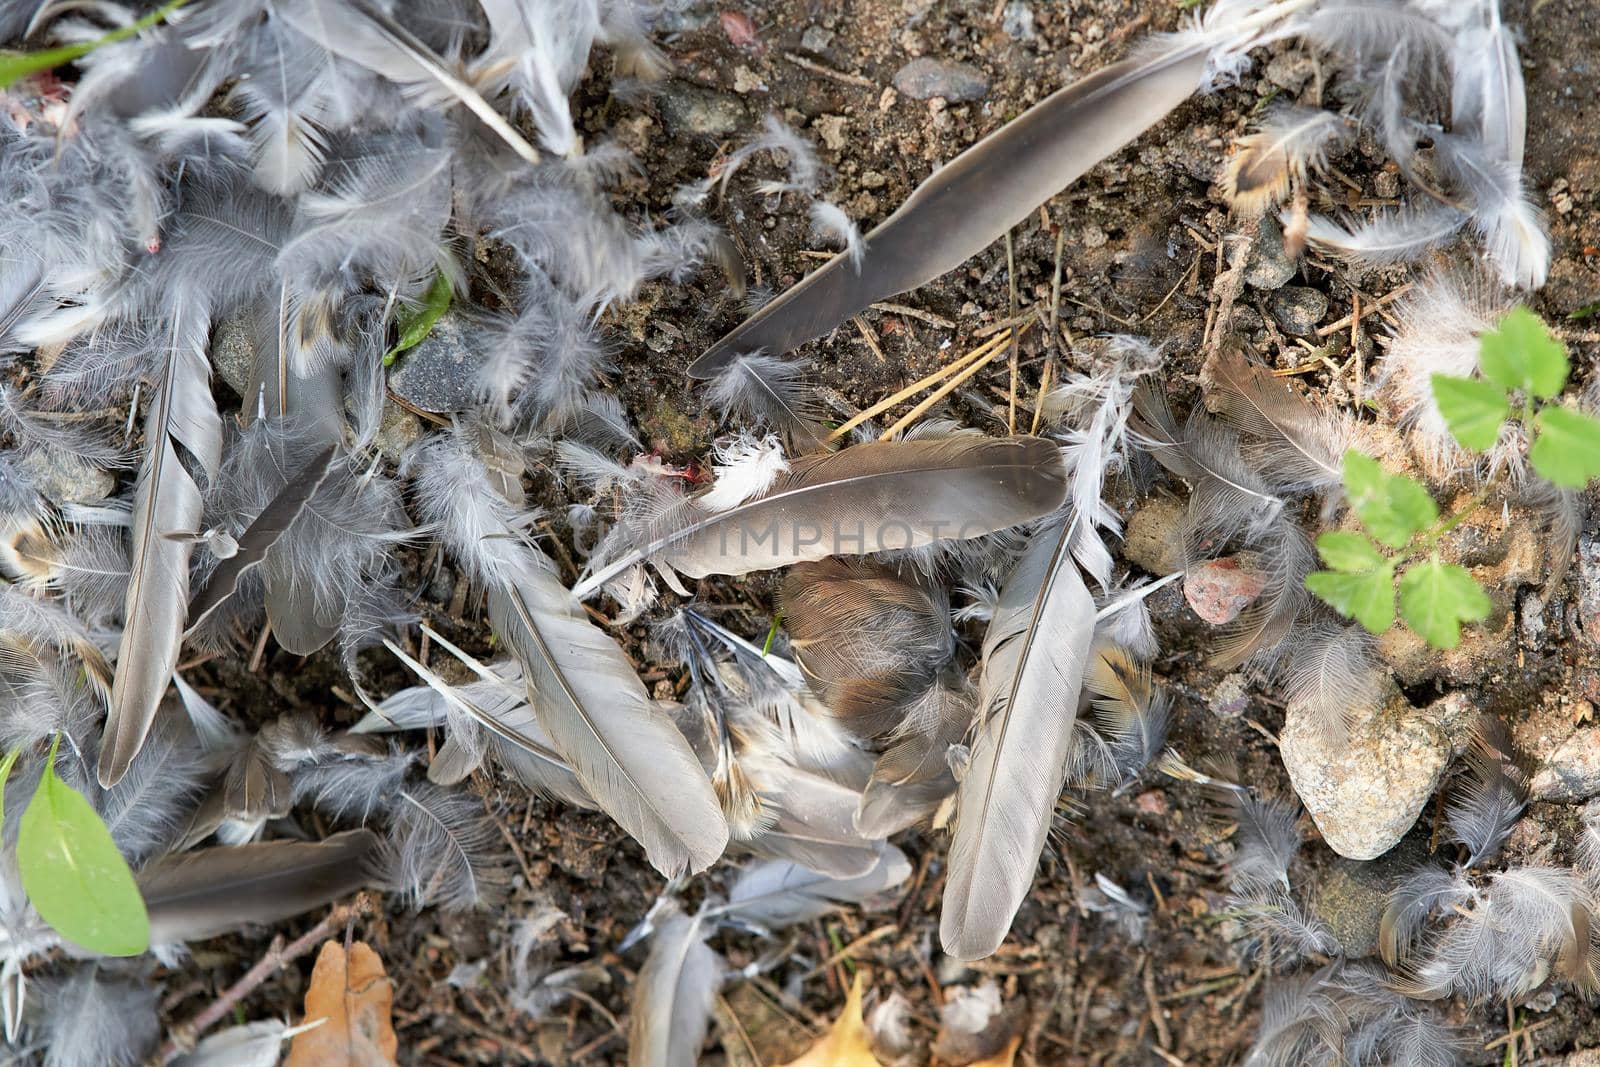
x=1006, y=1057
x=847, y=1044
x=355, y=997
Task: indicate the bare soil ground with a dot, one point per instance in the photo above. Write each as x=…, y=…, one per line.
x=1141, y=255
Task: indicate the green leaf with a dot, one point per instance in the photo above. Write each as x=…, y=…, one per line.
x=1473, y=408
x=14, y=66
x=1392, y=507
x=1368, y=597
x=1437, y=597
x=1349, y=552
x=1521, y=354
x=1567, y=450
x=77, y=880
x=416, y=325
x=5, y=772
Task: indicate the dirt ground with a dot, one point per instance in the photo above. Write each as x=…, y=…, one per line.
x=1141, y=253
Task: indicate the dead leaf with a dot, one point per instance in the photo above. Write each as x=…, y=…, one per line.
x=847, y=1044
x=356, y=998
x=1006, y=1057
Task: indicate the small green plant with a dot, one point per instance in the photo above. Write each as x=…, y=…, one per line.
x=14, y=66
x=1523, y=370
x=72, y=870
x=415, y=325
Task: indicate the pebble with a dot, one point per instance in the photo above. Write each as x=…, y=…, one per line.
x=441, y=373
x=1018, y=21
x=1270, y=266
x=1589, y=585
x=1299, y=310
x=1365, y=786
x=816, y=39
x=690, y=110
x=1219, y=589
x=1230, y=697
x=1352, y=895
x=233, y=350
x=398, y=430
x=1572, y=771
x=63, y=478
x=1291, y=71
x=926, y=78
x=1154, y=538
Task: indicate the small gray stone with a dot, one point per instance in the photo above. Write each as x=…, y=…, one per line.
x=398, y=430
x=926, y=78
x=1572, y=771
x=233, y=350
x=1530, y=613
x=1270, y=266
x=1352, y=895
x=63, y=478
x=1018, y=21
x=1299, y=310
x=1291, y=71
x=1230, y=697
x=690, y=110
x=441, y=373
x=1364, y=786
x=816, y=39
x=1589, y=585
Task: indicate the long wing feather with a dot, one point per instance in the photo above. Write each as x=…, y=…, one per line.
x=629, y=755
x=262, y=533
x=672, y=1001
x=1298, y=446
x=973, y=200
x=777, y=893
x=166, y=501
x=201, y=894
x=1034, y=656
x=860, y=500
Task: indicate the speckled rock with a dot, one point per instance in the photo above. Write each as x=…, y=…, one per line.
x=441, y=373
x=1153, y=539
x=233, y=350
x=1299, y=310
x=926, y=78
x=1269, y=266
x=1219, y=589
x=1365, y=787
x=1572, y=771
x=63, y=478
x=1352, y=894
x=1589, y=585
x=1229, y=697
x=689, y=110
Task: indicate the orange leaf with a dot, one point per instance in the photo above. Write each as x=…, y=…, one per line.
x=355, y=997
x=847, y=1044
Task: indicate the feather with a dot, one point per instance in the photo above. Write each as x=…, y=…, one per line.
x=745, y=468
x=1296, y=446
x=1273, y=915
x=768, y=392
x=1420, y=894
x=93, y=1017
x=146, y=809
x=971, y=201
x=1284, y=556
x=1130, y=712
x=259, y=537
x=860, y=500
x=1266, y=842
x=1331, y=670
x=546, y=46
x=1227, y=498
x=197, y=895
x=1512, y=228
x=1035, y=653
x=361, y=31
x=442, y=849
x=629, y=757
x=166, y=501
x=1493, y=796
x=672, y=998
x=773, y=894
x=256, y=1044
x=1291, y=141
x=830, y=223
x=869, y=641
x=1390, y=238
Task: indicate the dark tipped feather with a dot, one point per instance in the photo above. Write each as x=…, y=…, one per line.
x=197, y=895
x=1291, y=141
x=1492, y=796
